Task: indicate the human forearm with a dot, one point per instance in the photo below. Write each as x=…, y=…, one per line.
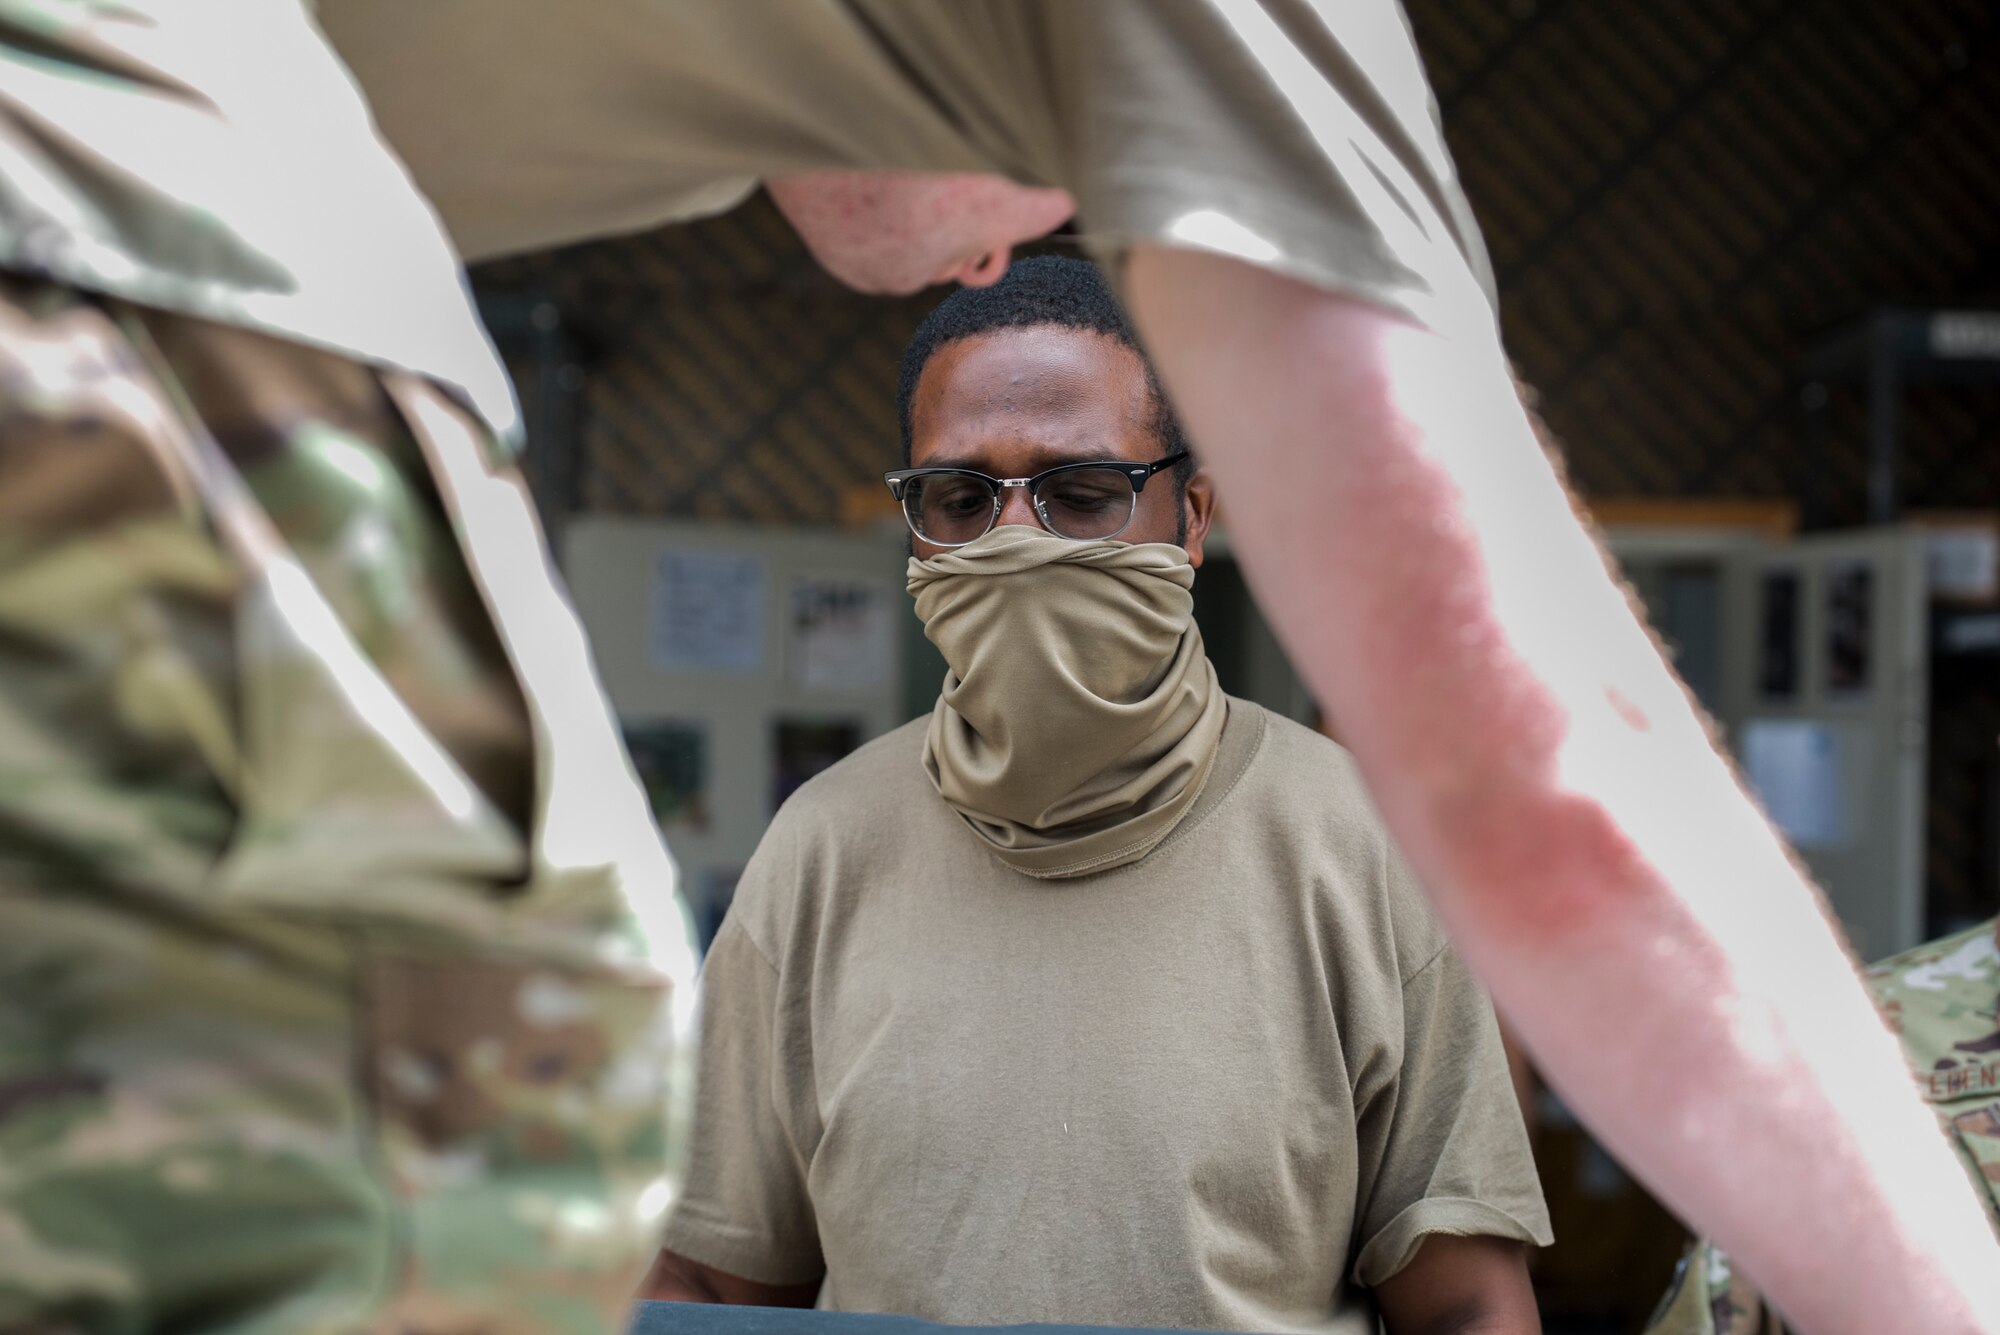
x=1461, y=1286
x=1543, y=770
x=677, y=1279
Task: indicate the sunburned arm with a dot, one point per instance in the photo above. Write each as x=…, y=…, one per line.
x=676, y=1279
x=1635, y=917
x=1461, y=1286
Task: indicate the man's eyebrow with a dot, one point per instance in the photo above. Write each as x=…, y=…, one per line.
x=1091, y=454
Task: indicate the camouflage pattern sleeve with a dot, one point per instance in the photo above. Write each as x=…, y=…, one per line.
x=343, y=985
x=1942, y=1000
x=1709, y=1296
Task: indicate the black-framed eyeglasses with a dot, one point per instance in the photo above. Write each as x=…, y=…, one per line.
x=949, y=507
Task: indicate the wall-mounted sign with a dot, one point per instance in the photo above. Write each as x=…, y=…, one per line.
x=708, y=612
x=842, y=633
x=1799, y=770
x=1966, y=334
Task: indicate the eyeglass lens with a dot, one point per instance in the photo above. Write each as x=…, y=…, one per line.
x=952, y=509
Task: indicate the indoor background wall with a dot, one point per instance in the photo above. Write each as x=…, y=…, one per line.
x=1678, y=196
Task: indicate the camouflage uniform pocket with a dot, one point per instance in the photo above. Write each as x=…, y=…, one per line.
x=182, y=1146
x=523, y=1127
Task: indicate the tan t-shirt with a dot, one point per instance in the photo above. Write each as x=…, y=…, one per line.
x=1301, y=136
x=1298, y=136
x=1220, y=1087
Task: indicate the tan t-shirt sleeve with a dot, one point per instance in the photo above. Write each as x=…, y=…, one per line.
x=1443, y=1146
x=745, y=1209
x=1298, y=136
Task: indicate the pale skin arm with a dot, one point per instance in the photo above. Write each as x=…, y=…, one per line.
x=1594, y=857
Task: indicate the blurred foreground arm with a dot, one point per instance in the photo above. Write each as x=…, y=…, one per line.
x=1635, y=917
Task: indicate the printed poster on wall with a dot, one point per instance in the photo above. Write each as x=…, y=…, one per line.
x=842, y=634
x=708, y=612
x=804, y=748
x=1799, y=770
x=671, y=757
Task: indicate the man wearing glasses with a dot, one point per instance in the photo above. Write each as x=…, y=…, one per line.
x=1096, y=996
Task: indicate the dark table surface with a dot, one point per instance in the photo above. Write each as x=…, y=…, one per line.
x=697, y=1319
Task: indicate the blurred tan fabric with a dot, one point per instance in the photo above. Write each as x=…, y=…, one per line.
x=1299, y=136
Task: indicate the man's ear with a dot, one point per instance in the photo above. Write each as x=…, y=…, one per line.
x=1199, y=501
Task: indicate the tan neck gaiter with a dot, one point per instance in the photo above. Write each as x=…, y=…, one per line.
x=1080, y=716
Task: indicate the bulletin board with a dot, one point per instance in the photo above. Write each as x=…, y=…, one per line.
x=741, y=662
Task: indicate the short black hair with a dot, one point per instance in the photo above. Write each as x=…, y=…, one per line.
x=1056, y=290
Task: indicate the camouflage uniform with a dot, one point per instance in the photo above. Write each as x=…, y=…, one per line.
x=336, y=942
x=1943, y=1002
